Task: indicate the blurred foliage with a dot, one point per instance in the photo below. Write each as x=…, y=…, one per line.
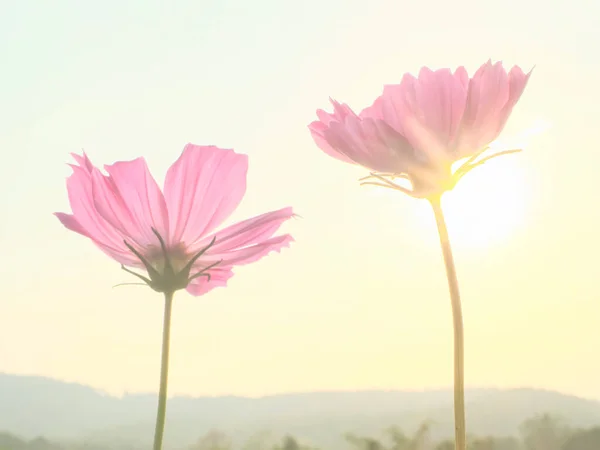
x=544, y=432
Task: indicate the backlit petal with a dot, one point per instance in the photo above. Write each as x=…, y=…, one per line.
x=121, y=255
x=319, y=129
x=370, y=143
x=86, y=220
x=517, y=80
x=202, y=188
x=488, y=94
x=142, y=195
x=130, y=200
x=218, y=278
x=245, y=233
x=254, y=252
x=435, y=102
x=421, y=126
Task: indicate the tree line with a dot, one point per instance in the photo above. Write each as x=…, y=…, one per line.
x=543, y=432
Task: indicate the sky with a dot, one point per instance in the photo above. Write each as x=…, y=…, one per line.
x=360, y=300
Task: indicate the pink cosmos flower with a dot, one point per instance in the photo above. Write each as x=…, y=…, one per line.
x=417, y=129
x=170, y=233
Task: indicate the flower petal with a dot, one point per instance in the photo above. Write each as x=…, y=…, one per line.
x=86, y=220
x=435, y=101
x=488, y=94
x=123, y=255
x=221, y=273
x=254, y=252
x=441, y=96
x=371, y=143
x=202, y=188
x=395, y=102
x=71, y=223
x=242, y=243
x=141, y=194
x=83, y=161
x=218, y=278
x=131, y=201
x=319, y=128
x=517, y=80
x=245, y=233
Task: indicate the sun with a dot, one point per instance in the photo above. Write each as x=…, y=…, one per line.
x=491, y=202
x=486, y=207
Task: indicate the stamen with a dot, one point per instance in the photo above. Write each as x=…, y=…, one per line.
x=391, y=175
x=474, y=156
x=385, y=180
x=503, y=152
x=387, y=185
x=467, y=167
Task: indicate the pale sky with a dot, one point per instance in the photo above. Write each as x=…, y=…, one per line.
x=360, y=300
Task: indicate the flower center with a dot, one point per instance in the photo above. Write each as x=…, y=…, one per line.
x=175, y=256
x=169, y=269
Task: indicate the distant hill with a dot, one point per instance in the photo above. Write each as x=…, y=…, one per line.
x=36, y=406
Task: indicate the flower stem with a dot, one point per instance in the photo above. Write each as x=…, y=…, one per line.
x=459, y=352
x=164, y=373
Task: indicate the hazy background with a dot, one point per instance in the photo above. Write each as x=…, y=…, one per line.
x=360, y=300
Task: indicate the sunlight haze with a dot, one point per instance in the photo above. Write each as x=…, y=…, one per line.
x=360, y=299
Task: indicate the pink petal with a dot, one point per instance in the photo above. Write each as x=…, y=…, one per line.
x=319, y=129
x=375, y=111
x=86, y=220
x=488, y=94
x=123, y=256
x=83, y=161
x=202, y=188
x=371, y=143
x=221, y=273
x=434, y=102
x=431, y=153
x=131, y=201
x=253, y=253
x=242, y=243
x=218, y=278
x=141, y=194
x=517, y=82
x=245, y=233
x=441, y=100
x=71, y=223
x=397, y=101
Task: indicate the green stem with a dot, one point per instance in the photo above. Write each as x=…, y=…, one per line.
x=164, y=373
x=459, y=352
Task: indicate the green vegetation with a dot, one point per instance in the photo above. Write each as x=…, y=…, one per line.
x=543, y=432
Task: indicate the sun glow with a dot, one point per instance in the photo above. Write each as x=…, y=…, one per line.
x=486, y=207
x=490, y=203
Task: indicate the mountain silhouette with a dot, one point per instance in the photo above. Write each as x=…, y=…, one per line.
x=35, y=406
